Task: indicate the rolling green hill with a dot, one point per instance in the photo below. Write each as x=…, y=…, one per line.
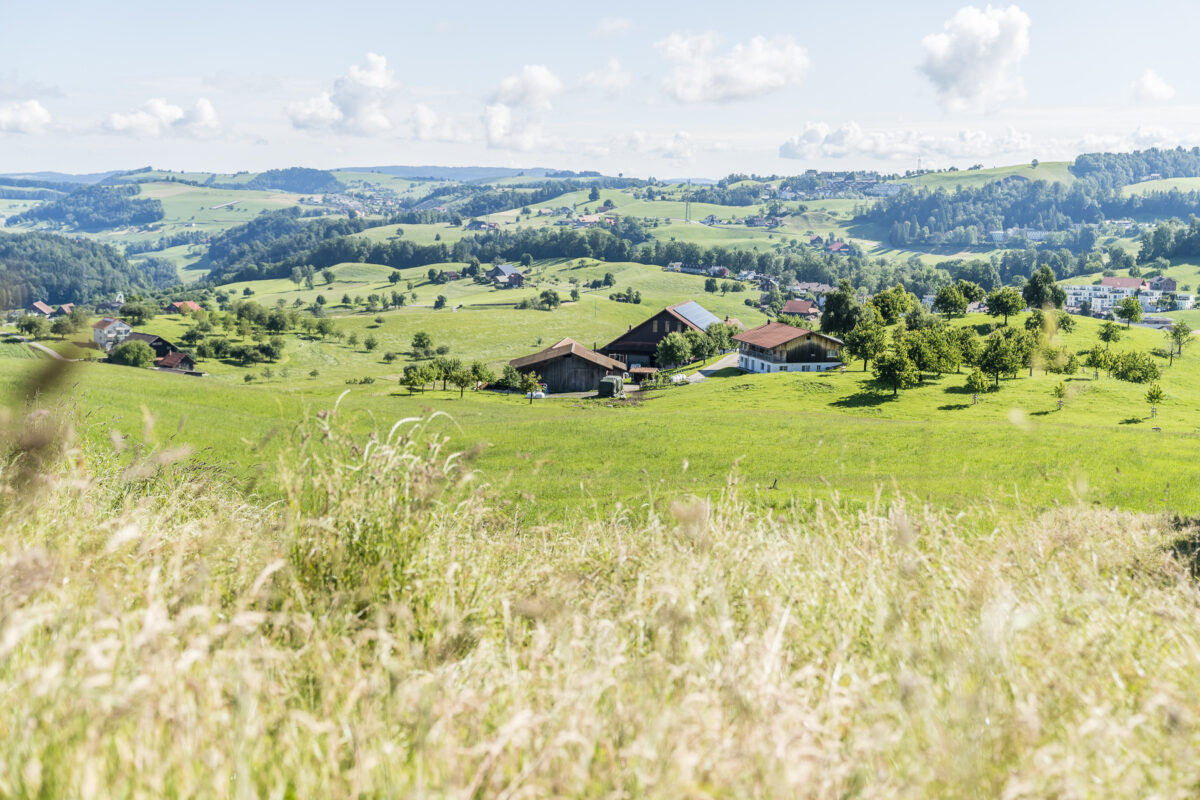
x=1053, y=171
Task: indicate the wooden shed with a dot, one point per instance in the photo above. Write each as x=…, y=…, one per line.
x=568, y=366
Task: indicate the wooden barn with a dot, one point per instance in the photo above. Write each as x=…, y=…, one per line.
x=568, y=366
x=636, y=346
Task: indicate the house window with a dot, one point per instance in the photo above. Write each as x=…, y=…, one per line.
x=654, y=326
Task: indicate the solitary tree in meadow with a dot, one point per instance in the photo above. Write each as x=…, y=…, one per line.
x=1004, y=302
x=327, y=274
x=893, y=368
x=1000, y=356
x=1109, y=332
x=62, y=327
x=1179, y=335
x=950, y=301
x=462, y=378
x=370, y=343
x=422, y=344
x=1130, y=310
x=1042, y=290
x=867, y=341
x=1154, y=396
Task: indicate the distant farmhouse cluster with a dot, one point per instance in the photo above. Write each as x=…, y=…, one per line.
x=567, y=366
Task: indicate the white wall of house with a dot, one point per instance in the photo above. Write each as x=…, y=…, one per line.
x=751, y=364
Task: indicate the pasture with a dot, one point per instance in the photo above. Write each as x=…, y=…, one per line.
x=786, y=438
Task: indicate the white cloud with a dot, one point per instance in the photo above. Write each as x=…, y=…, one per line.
x=612, y=79
x=612, y=26
x=430, y=126
x=973, y=62
x=681, y=148
x=818, y=141
x=751, y=69
x=158, y=117
x=534, y=87
x=506, y=131
x=28, y=116
x=354, y=104
x=1151, y=88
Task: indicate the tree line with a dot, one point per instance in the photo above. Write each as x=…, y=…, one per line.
x=93, y=208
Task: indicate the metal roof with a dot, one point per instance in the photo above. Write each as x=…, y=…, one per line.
x=696, y=314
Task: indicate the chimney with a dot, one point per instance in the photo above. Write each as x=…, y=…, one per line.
x=630, y=327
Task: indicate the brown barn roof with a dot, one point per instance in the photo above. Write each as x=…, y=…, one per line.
x=567, y=347
x=800, y=307
x=42, y=307
x=172, y=360
x=774, y=334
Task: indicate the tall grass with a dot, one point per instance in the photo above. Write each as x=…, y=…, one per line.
x=383, y=632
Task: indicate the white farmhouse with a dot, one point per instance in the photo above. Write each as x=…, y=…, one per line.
x=110, y=332
x=777, y=347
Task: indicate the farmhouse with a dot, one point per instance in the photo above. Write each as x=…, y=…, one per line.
x=567, y=366
x=776, y=347
x=64, y=310
x=41, y=309
x=182, y=307
x=159, y=345
x=506, y=276
x=636, y=346
x=109, y=332
x=1162, y=283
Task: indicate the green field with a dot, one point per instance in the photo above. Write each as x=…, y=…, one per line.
x=1053, y=171
x=1165, y=185
x=810, y=437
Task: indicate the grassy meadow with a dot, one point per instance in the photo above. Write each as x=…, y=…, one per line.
x=787, y=438
x=392, y=627
x=1052, y=171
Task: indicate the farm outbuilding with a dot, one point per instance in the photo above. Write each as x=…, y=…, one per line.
x=568, y=366
x=637, y=345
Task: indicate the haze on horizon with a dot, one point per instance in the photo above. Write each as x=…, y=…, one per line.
x=673, y=89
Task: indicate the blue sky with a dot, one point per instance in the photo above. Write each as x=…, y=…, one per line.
x=663, y=89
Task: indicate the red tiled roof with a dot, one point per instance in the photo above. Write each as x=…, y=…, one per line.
x=1124, y=283
x=567, y=347
x=105, y=323
x=190, y=305
x=800, y=307
x=774, y=334
x=42, y=307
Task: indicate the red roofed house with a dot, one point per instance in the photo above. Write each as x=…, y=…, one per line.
x=110, y=332
x=40, y=308
x=1125, y=283
x=801, y=308
x=568, y=366
x=838, y=247
x=777, y=347
x=64, y=310
x=183, y=307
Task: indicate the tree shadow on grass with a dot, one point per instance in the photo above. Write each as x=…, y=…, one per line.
x=954, y=407
x=1131, y=420
x=862, y=400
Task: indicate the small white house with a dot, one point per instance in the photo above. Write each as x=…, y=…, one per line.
x=110, y=332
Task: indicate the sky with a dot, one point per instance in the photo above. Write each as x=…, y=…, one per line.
x=664, y=89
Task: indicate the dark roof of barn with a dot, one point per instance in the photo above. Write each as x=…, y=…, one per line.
x=567, y=347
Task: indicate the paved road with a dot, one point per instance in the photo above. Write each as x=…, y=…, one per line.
x=38, y=346
x=729, y=360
